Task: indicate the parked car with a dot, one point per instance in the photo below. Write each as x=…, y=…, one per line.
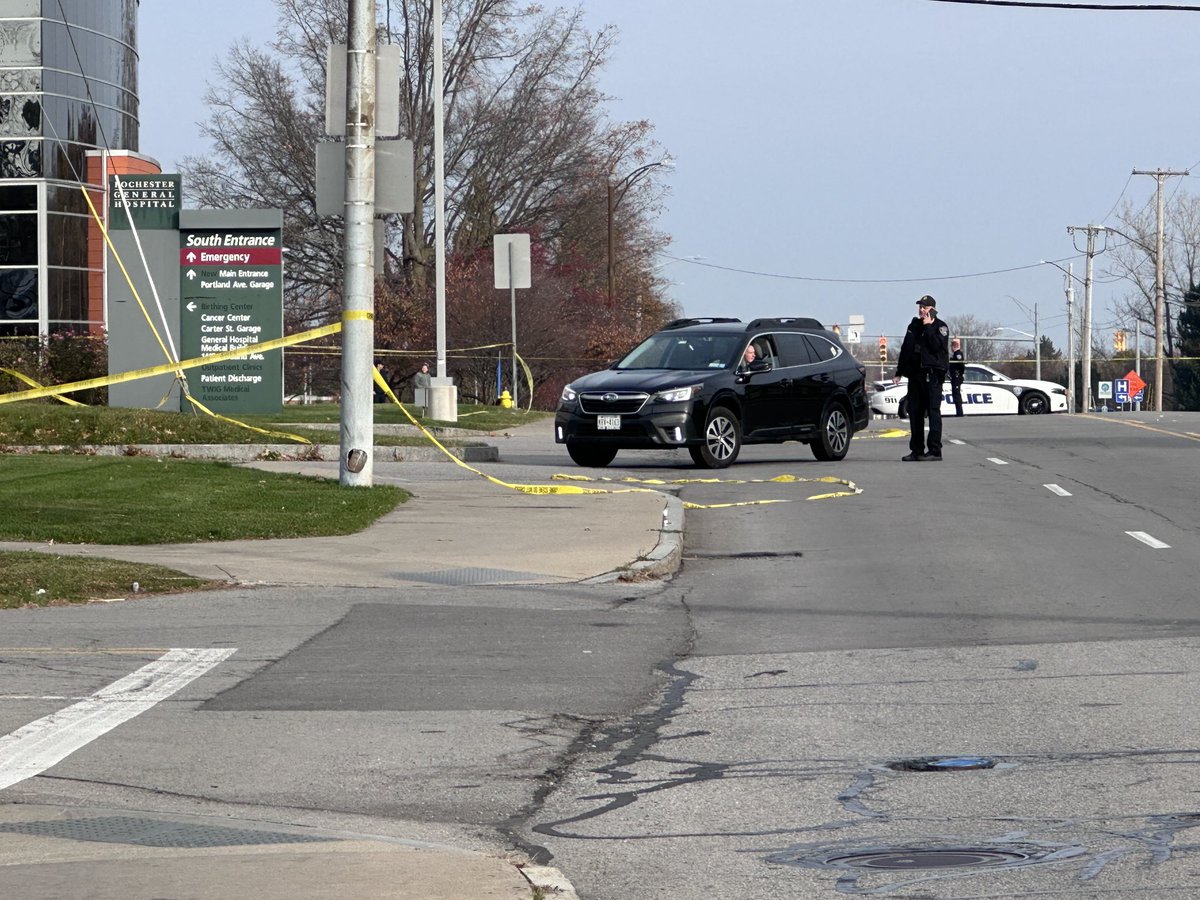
x=984, y=392
x=689, y=386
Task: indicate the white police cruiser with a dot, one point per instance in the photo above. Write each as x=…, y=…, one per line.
x=984, y=392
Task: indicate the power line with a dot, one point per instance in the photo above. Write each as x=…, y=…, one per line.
x=741, y=271
x=1116, y=7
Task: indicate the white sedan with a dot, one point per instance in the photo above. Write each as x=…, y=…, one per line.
x=984, y=392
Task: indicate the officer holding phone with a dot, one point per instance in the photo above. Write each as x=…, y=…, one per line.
x=924, y=357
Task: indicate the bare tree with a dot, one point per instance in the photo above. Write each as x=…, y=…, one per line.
x=1131, y=258
x=528, y=146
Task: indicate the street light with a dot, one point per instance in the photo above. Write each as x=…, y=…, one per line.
x=616, y=193
x=1070, y=289
x=1037, y=347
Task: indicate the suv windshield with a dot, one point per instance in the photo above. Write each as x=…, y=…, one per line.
x=668, y=350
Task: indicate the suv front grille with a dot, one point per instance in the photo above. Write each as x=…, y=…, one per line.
x=620, y=404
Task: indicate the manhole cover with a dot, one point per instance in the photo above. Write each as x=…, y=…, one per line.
x=945, y=858
x=943, y=764
x=933, y=855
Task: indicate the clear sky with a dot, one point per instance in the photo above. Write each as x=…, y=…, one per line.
x=838, y=157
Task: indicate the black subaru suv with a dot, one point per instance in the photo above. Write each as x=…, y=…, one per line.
x=689, y=385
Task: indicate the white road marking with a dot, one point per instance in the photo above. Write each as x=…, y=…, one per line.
x=1055, y=489
x=957, y=441
x=998, y=461
x=34, y=748
x=1148, y=540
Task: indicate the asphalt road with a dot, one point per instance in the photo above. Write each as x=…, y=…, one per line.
x=993, y=609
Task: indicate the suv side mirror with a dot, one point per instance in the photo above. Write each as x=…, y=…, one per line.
x=759, y=365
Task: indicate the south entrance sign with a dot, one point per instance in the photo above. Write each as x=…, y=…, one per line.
x=231, y=294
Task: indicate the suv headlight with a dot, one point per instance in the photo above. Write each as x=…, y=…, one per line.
x=569, y=395
x=677, y=395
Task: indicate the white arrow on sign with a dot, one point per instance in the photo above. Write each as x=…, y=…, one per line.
x=191, y=307
x=191, y=273
x=191, y=257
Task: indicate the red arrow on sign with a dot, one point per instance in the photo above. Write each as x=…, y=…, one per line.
x=1135, y=383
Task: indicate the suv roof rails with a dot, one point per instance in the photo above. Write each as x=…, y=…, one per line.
x=792, y=321
x=683, y=323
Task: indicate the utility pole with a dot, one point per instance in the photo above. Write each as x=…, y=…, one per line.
x=1159, y=288
x=357, y=427
x=1086, y=325
x=1070, y=337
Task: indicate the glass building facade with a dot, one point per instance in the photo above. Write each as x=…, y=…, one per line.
x=68, y=94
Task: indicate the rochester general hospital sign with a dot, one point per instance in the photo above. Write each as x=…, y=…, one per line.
x=151, y=200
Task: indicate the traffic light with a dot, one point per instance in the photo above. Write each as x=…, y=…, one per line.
x=1118, y=341
x=882, y=349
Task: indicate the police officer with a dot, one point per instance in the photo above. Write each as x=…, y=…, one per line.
x=923, y=360
x=956, y=371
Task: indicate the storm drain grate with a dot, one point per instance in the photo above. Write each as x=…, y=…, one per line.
x=469, y=576
x=154, y=833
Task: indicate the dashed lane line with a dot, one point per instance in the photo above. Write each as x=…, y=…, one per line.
x=998, y=461
x=1148, y=540
x=1055, y=489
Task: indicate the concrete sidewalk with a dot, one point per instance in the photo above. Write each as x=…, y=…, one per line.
x=97, y=854
x=459, y=530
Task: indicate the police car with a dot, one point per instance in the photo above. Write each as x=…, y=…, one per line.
x=984, y=392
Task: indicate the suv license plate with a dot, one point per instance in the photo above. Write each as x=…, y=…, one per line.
x=608, y=423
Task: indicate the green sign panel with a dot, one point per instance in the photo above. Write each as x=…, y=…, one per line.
x=151, y=201
x=231, y=295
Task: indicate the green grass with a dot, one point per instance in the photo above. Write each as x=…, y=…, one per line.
x=46, y=579
x=43, y=424
x=473, y=416
x=135, y=500
x=130, y=500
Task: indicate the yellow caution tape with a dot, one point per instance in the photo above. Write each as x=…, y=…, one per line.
x=169, y=368
x=128, y=280
x=851, y=488
x=522, y=488
x=30, y=381
x=283, y=434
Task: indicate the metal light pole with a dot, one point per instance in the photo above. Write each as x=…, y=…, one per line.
x=443, y=398
x=616, y=193
x=357, y=424
x=1070, y=280
x=1033, y=316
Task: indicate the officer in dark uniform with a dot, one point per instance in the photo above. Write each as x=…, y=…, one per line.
x=924, y=357
x=956, y=371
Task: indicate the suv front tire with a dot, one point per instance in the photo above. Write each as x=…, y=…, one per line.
x=722, y=440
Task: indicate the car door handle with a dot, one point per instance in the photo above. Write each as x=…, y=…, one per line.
x=785, y=382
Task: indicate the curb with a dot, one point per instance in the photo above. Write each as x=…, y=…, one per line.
x=666, y=557
x=549, y=880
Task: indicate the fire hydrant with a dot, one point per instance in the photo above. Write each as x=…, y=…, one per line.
x=506, y=400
